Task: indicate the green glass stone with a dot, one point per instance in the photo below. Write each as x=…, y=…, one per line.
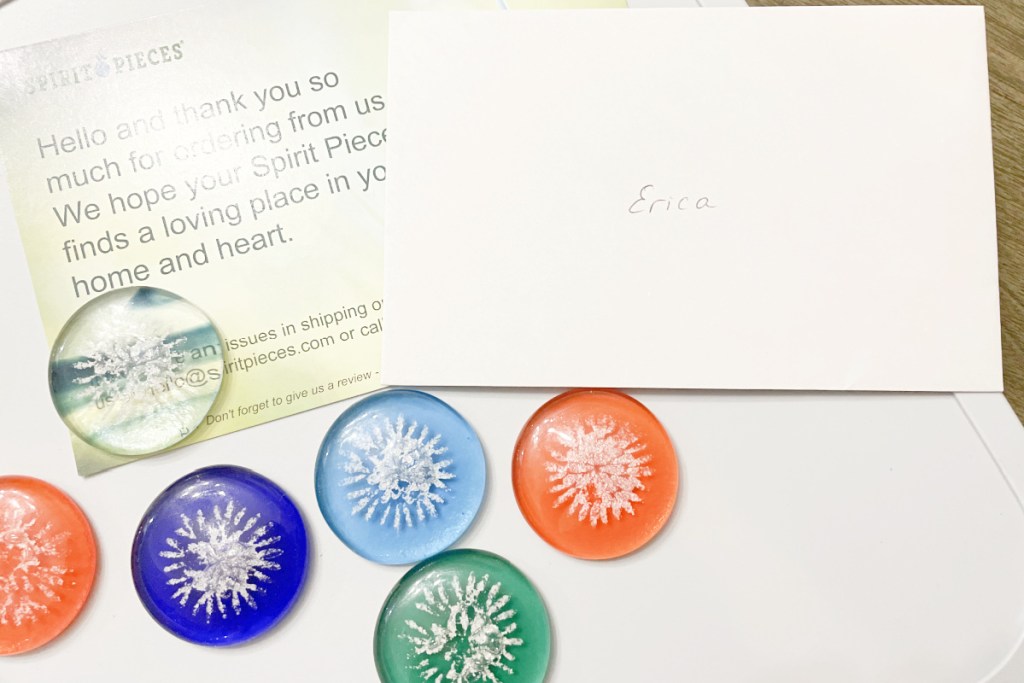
x=460, y=617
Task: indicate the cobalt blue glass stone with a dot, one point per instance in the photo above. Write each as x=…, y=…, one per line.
x=400, y=476
x=220, y=556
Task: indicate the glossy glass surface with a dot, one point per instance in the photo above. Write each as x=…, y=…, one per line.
x=595, y=473
x=47, y=563
x=136, y=370
x=462, y=617
x=220, y=556
x=400, y=476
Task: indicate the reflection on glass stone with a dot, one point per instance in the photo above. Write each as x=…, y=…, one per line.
x=136, y=370
x=220, y=556
x=400, y=476
x=47, y=563
x=595, y=473
x=460, y=617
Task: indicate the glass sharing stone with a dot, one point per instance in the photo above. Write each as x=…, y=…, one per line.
x=136, y=370
x=220, y=556
x=47, y=563
x=464, y=616
x=595, y=473
x=400, y=476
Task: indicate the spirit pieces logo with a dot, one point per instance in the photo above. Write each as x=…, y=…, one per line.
x=32, y=567
x=397, y=476
x=466, y=634
x=599, y=469
x=221, y=559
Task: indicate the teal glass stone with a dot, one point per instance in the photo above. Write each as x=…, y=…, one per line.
x=461, y=617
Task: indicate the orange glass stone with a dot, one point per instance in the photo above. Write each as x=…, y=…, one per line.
x=47, y=563
x=595, y=473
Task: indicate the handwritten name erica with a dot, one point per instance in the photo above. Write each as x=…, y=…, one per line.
x=649, y=202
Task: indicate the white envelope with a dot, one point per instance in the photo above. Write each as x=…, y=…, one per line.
x=788, y=198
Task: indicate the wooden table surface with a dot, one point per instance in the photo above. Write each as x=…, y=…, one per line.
x=1005, y=24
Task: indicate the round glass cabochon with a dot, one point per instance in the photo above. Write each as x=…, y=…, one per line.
x=400, y=476
x=461, y=617
x=220, y=556
x=47, y=563
x=135, y=370
x=595, y=473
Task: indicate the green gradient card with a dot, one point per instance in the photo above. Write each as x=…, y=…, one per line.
x=234, y=156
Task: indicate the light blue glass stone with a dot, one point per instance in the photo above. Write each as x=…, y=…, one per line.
x=400, y=476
